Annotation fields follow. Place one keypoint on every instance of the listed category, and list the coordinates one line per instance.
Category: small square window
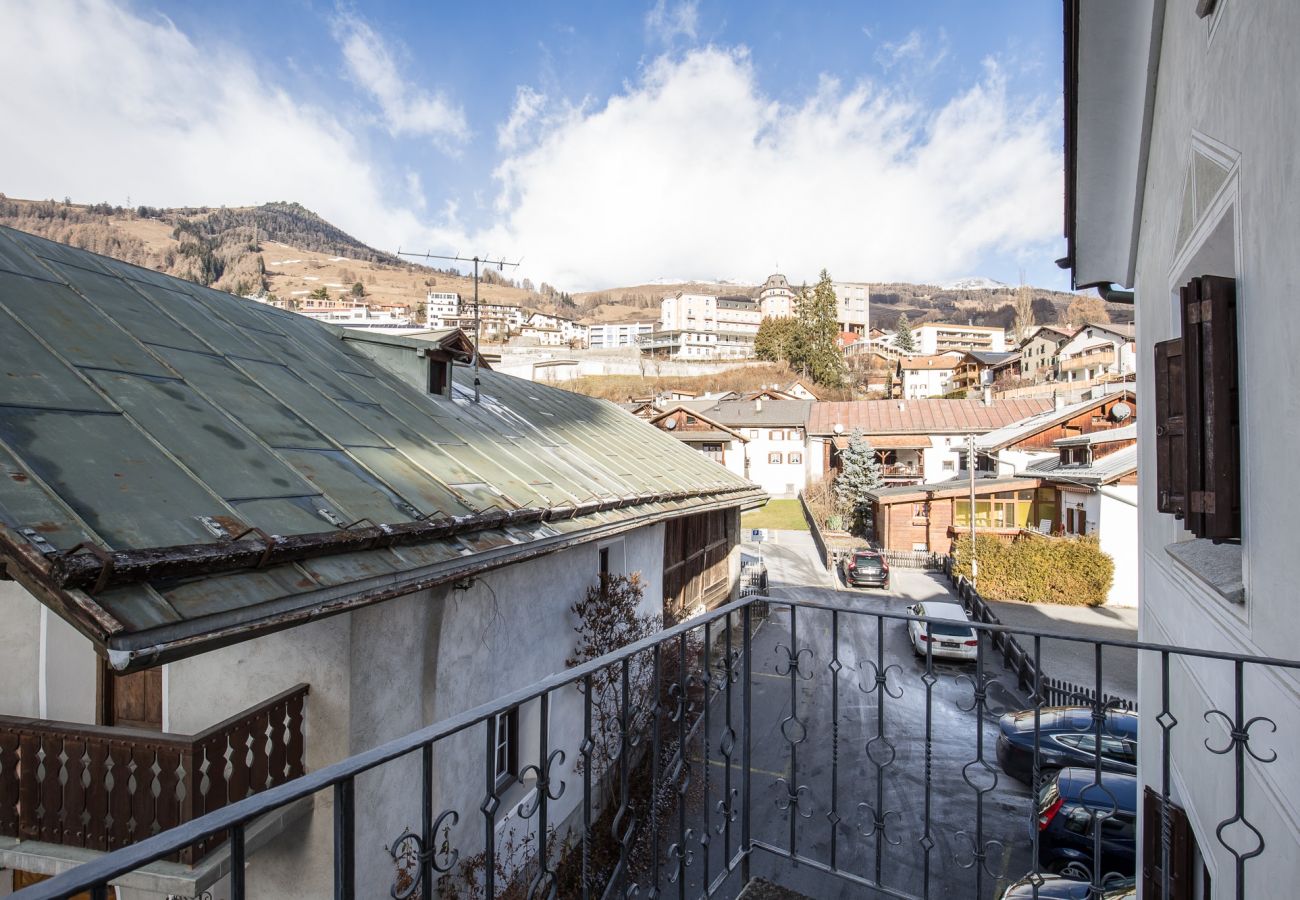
(774, 458)
(795, 459)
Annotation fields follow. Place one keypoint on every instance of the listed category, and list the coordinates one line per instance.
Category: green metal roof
(170, 430)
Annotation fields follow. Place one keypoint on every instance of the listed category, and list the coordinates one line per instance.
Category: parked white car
(952, 637)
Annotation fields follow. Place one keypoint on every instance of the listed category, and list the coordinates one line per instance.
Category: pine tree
(819, 345)
(859, 475)
(776, 339)
(903, 339)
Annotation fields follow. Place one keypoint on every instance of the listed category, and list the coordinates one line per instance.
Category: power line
(477, 261)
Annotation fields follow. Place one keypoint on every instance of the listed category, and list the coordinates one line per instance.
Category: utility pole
(970, 465)
(476, 260)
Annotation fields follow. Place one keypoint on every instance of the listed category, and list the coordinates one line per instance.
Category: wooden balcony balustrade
(106, 787)
(1088, 360)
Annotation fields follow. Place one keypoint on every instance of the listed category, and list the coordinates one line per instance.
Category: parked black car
(865, 568)
(1071, 807)
(1054, 887)
(1066, 738)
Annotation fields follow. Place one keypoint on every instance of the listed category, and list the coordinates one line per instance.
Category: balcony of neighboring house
(70, 792)
(832, 750)
(900, 466)
(1089, 359)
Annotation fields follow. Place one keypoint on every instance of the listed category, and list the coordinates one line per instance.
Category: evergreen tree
(903, 339)
(859, 475)
(776, 339)
(819, 347)
(358, 290)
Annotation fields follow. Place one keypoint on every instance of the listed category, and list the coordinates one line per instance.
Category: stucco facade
(1215, 195)
(375, 674)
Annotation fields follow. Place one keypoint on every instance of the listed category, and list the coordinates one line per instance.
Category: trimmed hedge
(1070, 571)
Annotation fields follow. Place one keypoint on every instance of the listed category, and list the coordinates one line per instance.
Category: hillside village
(328, 572)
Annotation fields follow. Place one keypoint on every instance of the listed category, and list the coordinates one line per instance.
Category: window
(776, 436)
(604, 562)
(712, 451)
(506, 745)
(794, 459)
(774, 458)
(690, 420)
(949, 465)
(1198, 458)
(439, 370)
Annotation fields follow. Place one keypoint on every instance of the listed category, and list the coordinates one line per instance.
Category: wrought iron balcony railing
(801, 742)
(107, 787)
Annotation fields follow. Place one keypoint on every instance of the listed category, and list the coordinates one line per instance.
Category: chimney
(758, 404)
(1058, 401)
(988, 395)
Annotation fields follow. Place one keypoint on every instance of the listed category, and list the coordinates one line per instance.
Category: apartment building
(853, 306)
(931, 338)
(613, 336)
(702, 326)
(928, 376)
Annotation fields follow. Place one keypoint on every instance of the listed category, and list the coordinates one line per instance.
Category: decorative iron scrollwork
(409, 849)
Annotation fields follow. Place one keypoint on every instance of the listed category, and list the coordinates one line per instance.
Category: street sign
(757, 535)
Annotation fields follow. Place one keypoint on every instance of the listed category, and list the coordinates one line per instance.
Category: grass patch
(782, 514)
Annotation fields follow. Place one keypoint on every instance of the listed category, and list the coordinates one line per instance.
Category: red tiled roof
(921, 416)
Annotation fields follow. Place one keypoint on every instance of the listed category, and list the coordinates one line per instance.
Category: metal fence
(913, 559)
(814, 747)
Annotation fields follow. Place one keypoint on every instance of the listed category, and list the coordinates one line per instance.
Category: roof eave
(1112, 54)
(133, 651)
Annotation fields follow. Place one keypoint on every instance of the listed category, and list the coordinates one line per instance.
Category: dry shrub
(1068, 570)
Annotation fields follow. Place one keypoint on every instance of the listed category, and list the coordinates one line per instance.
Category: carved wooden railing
(104, 788)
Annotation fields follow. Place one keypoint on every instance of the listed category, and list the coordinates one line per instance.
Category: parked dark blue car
(1056, 888)
(1066, 738)
(1071, 809)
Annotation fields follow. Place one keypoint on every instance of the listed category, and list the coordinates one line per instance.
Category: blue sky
(605, 143)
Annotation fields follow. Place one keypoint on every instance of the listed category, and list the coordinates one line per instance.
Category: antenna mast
(477, 261)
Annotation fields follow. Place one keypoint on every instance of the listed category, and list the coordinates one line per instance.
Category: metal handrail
(340, 776)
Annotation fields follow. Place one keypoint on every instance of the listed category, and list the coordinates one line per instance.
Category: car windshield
(950, 629)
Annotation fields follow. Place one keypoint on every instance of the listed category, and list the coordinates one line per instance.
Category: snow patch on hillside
(974, 283)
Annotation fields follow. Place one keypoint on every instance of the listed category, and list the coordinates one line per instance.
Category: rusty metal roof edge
(97, 571)
(171, 642)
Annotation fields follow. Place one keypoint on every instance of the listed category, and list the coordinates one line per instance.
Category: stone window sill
(1217, 566)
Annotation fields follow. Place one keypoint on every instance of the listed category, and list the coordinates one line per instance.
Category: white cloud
(407, 110)
(694, 170)
(529, 105)
(914, 53)
(666, 22)
(134, 108)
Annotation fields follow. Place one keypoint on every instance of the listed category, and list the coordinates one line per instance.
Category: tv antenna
(477, 261)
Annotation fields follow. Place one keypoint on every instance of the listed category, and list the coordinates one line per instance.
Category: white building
(314, 448)
(613, 336)
(931, 338)
(775, 434)
(775, 298)
(1181, 183)
(928, 376)
(701, 326)
(1097, 349)
(439, 305)
(853, 306)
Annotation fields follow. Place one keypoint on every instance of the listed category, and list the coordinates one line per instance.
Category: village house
(696, 430)
(1011, 449)
(776, 439)
(1038, 352)
(1180, 183)
(1097, 350)
(979, 369)
(1088, 486)
(915, 440)
(239, 545)
(920, 377)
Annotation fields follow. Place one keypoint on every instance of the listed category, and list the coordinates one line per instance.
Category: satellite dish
(838, 428)
(1121, 411)
(670, 424)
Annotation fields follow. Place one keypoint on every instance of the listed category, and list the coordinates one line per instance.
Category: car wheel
(1072, 868)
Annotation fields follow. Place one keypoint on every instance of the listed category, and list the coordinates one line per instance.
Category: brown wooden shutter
(1171, 439)
(1213, 488)
(1180, 850)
